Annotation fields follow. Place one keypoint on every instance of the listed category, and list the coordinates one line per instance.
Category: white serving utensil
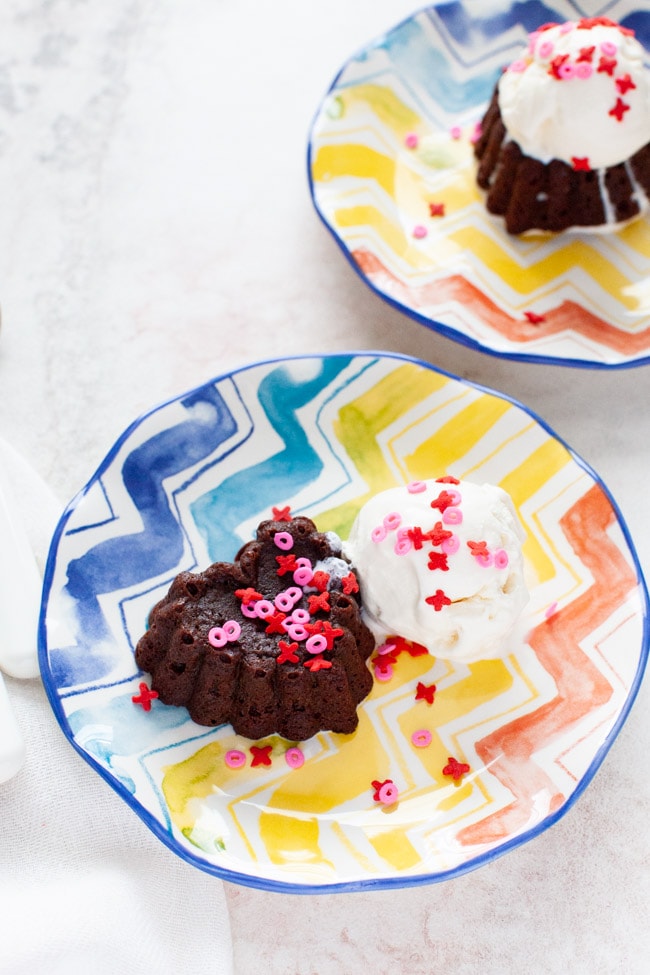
(12, 746)
(20, 589)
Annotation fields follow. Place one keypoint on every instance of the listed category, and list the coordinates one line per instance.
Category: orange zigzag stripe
(566, 316)
(580, 686)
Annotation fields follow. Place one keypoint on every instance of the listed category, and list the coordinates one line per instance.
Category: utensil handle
(12, 746)
(20, 592)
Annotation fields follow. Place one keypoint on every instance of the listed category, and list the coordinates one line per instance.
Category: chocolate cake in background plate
(565, 141)
(272, 643)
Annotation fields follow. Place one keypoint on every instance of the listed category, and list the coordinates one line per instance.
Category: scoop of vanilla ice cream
(440, 563)
(580, 91)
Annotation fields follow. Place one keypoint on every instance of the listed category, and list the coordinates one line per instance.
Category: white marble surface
(156, 229)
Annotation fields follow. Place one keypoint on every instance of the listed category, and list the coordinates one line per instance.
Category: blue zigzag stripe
(219, 512)
(117, 563)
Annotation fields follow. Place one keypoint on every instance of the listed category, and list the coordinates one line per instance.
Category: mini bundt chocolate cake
(272, 643)
(565, 140)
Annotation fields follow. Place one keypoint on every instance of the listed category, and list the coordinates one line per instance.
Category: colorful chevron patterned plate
(187, 484)
(391, 172)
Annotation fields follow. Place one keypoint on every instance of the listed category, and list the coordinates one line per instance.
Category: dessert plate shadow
(392, 176)
(187, 484)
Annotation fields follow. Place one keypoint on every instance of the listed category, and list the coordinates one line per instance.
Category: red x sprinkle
(261, 754)
(444, 500)
(317, 663)
(478, 549)
(248, 595)
(438, 560)
(606, 66)
(287, 653)
(447, 479)
(320, 580)
(619, 110)
(586, 53)
(417, 536)
(384, 663)
(349, 583)
(287, 563)
(455, 768)
(282, 514)
(424, 692)
(145, 697)
(274, 623)
(580, 164)
(556, 64)
(436, 209)
(534, 318)
(326, 629)
(625, 84)
(438, 600)
(320, 602)
(438, 534)
(414, 649)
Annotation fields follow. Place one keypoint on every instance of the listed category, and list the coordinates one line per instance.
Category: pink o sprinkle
(264, 608)
(411, 141)
(283, 540)
(234, 758)
(216, 637)
(388, 793)
(608, 48)
(296, 631)
(316, 643)
(421, 738)
(451, 545)
(248, 610)
(378, 534)
(476, 133)
(566, 27)
(416, 487)
(566, 71)
(294, 757)
(300, 616)
(551, 610)
(383, 671)
(518, 66)
(545, 49)
(283, 602)
(485, 560)
(385, 648)
(392, 521)
(455, 132)
(452, 516)
(419, 231)
(501, 558)
(232, 629)
(303, 563)
(403, 546)
(584, 70)
(303, 576)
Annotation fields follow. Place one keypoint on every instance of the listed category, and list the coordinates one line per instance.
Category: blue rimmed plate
(188, 482)
(393, 138)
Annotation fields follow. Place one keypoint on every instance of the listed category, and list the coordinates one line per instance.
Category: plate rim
(358, 884)
(447, 331)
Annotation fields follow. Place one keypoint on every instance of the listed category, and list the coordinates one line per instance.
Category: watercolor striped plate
(576, 299)
(187, 484)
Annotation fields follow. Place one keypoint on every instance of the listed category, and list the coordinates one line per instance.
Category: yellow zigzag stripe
(548, 269)
(359, 424)
(388, 108)
(362, 162)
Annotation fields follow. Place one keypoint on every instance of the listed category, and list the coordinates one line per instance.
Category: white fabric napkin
(85, 887)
